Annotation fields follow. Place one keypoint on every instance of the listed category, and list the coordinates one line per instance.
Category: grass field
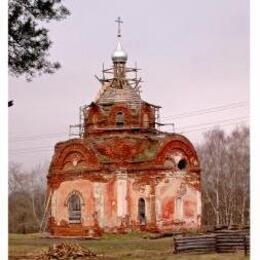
(129, 246)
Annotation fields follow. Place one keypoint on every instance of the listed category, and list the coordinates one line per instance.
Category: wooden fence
(230, 240)
(247, 245)
(223, 241)
(197, 243)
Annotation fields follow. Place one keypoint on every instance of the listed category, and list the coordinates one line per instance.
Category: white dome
(119, 55)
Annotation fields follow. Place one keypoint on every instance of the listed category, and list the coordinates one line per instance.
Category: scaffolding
(111, 79)
(79, 132)
(166, 124)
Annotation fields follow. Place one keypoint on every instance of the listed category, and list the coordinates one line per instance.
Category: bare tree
(225, 177)
(26, 198)
(239, 159)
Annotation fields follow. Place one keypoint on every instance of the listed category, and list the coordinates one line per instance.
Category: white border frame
(4, 129)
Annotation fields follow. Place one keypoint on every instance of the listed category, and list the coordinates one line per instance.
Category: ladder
(46, 213)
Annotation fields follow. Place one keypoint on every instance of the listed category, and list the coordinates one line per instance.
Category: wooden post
(174, 245)
(246, 245)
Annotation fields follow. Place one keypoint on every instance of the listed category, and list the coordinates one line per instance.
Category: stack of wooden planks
(66, 251)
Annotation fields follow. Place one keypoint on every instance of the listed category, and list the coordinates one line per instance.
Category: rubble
(65, 251)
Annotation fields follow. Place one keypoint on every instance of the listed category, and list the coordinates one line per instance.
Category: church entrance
(74, 209)
(141, 211)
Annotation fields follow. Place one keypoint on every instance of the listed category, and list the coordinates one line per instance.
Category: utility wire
(36, 137)
(34, 147)
(32, 151)
(177, 116)
(213, 123)
(193, 128)
(207, 128)
(207, 110)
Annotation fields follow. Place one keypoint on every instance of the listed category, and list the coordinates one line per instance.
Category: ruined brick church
(122, 173)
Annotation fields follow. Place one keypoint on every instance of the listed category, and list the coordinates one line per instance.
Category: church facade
(122, 174)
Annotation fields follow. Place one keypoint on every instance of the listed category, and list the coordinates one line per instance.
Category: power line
(32, 151)
(207, 110)
(36, 137)
(192, 129)
(34, 147)
(177, 116)
(215, 122)
(206, 128)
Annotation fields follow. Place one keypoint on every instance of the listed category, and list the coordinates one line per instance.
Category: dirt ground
(129, 246)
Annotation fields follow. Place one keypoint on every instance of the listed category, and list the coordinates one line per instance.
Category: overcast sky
(194, 55)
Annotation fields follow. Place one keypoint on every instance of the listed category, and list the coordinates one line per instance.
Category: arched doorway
(141, 211)
(74, 209)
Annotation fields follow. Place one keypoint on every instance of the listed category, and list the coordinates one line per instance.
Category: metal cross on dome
(118, 21)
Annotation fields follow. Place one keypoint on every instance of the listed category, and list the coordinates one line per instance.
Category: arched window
(141, 211)
(145, 121)
(95, 120)
(74, 209)
(179, 208)
(120, 120)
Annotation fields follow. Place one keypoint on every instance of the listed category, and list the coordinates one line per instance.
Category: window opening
(141, 211)
(74, 209)
(146, 121)
(182, 164)
(179, 208)
(120, 120)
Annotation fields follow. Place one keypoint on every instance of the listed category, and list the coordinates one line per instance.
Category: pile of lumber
(66, 251)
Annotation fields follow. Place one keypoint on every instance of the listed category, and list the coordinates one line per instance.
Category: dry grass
(130, 246)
